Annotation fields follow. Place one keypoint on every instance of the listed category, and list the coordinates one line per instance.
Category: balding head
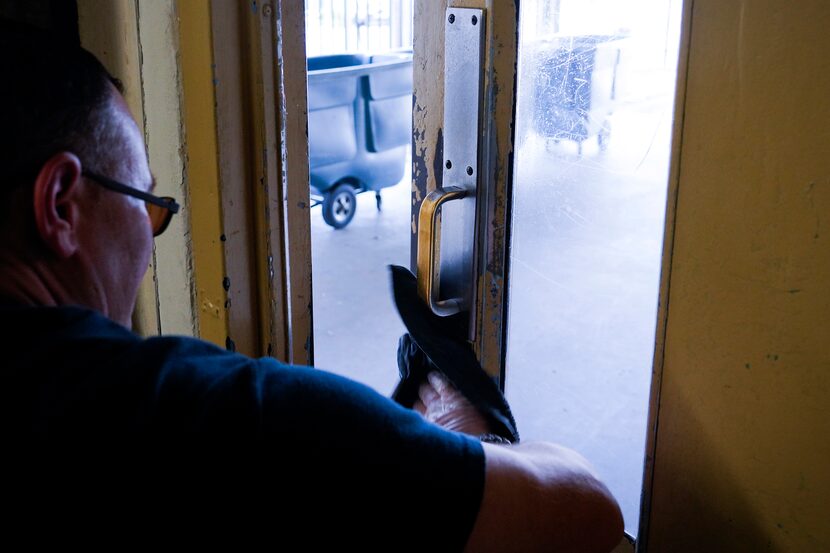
(64, 239)
(54, 98)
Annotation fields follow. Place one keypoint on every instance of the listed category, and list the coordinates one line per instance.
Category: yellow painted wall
(138, 43)
(201, 151)
(164, 131)
(742, 458)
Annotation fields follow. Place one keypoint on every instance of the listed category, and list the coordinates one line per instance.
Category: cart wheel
(339, 206)
(604, 135)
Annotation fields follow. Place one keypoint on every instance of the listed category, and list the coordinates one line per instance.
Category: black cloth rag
(440, 344)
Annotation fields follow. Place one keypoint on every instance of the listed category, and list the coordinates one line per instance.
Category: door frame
(494, 188)
(244, 91)
(493, 235)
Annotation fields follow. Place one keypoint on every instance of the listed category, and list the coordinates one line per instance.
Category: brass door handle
(427, 261)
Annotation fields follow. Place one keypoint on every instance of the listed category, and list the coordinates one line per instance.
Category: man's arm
(537, 496)
(543, 497)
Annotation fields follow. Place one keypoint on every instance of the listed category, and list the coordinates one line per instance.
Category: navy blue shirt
(116, 439)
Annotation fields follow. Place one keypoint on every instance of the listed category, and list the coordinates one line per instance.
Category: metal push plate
(463, 51)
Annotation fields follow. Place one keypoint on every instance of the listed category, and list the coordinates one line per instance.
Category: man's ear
(56, 207)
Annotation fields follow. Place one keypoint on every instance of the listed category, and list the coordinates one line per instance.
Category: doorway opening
(360, 101)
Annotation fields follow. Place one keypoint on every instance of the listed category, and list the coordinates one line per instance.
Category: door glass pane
(595, 106)
(359, 123)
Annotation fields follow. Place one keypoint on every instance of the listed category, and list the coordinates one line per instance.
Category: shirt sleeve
(392, 478)
(174, 441)
(330, 461)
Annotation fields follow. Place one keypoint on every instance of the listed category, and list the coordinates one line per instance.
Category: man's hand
(440, 402)
(439, 344)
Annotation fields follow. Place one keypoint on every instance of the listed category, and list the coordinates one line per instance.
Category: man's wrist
(494, 439)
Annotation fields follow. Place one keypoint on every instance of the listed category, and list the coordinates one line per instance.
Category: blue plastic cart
(359, 128)
(575, 87)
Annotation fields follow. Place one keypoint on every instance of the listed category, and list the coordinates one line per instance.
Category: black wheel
(604, 135)
(339, 206)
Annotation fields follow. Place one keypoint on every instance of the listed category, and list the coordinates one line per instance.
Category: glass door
(594, 113)
(575, 138)
(571, 174)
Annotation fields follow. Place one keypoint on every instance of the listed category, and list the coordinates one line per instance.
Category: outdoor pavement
(356, 326)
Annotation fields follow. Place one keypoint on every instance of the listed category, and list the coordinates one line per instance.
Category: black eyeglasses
(160, 209)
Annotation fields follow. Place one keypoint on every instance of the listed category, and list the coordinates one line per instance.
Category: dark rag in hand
(440, 344)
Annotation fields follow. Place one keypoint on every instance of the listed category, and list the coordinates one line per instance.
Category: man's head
(65, 239)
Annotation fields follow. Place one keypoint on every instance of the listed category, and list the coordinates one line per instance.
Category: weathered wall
(138, 43)
(164, 132)
(201, 152)
(742, 459)
(496, 152)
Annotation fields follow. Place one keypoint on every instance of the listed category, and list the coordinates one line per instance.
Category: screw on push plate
(448, 164)
(475, 20)
(451, 18)
(469, 170)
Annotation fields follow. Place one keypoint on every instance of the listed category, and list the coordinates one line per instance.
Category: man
(116, 439)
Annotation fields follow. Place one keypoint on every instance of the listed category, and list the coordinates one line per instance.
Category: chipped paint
(496, 158)
(211, 308)
(423, 153)
(438, 159)
(110, 31)
(499, 105)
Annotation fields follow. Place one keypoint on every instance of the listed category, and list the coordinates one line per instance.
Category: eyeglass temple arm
(169, 203)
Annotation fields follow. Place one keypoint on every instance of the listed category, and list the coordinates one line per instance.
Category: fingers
(419, 407)
(440, 384)
(428, 394)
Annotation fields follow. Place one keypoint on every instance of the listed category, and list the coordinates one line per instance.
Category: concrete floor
(584, 274)
(356, 326)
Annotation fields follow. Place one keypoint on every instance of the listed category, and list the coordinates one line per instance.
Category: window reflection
(595, 105)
